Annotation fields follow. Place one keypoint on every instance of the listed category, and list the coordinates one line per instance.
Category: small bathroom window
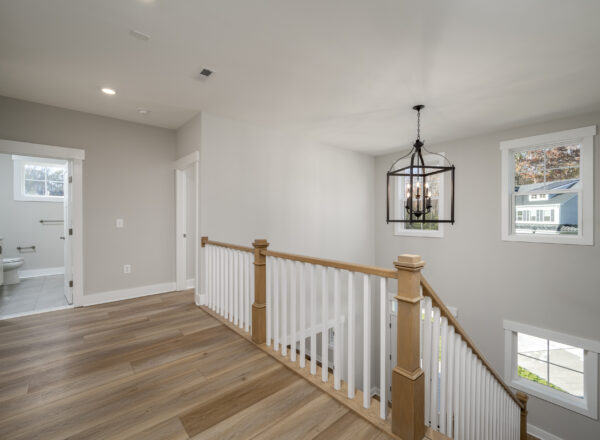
(39, 180)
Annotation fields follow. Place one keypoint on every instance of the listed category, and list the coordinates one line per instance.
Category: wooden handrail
(369, 270)
(437, 302)
(229, 245)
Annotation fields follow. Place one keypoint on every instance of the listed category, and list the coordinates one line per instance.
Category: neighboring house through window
(547, 187)
(39, 179)
(436, 186)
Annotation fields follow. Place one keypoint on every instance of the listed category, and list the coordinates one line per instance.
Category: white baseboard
(120, 295)
(201, 300)
(190, 284)
(540, 433)
(43, 272)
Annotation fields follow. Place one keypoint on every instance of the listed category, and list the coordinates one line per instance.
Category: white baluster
(435, 367)
(249, 299)
(251, 266)
(478, 403)
(454, 396)
(351, 336)
(222, 280)
(472, 402)
(462, 425)
(366, 343)
(241, 284)
(302, 274)
(337, 355)
(427, 324)
(236, 293)
(276, 295)
(313, 319)
(383, 355)
(293, 310)
(325, 328)
(444, 374)
(269, 300)
(284, 309)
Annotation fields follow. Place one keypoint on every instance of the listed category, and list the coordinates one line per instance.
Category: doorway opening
(41, 259)
(187, 238)
(34, 231)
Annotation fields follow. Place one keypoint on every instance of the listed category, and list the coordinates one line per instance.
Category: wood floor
(154, 368)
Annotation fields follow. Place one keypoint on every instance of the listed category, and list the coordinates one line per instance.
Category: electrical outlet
(120, 223)
(127, 268)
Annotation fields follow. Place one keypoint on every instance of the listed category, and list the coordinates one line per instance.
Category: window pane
(532, 369)
(566, 380)
(35, 188)
(55, 189)
(566, 356)
(56, 174)
(532, 346)
(555, 214)
(35, 172)
(529, 167)
(564, 156)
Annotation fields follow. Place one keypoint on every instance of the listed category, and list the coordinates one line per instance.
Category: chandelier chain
(419, 125)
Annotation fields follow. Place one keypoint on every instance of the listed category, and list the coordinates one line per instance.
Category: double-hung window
(38, 179)
(436, 186)
(548, 187)
(559, 368)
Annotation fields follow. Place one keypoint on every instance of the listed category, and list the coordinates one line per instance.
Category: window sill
(57, 199)
(552, 239)
(559, 398)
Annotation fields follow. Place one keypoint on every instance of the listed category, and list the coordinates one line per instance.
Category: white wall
(546, 285)
(127, 173)
(20, 225)
(304, 197)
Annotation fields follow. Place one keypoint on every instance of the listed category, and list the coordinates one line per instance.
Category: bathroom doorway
(187, 223)
(40, 228)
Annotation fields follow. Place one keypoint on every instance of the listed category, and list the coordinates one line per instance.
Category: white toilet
(11, 269)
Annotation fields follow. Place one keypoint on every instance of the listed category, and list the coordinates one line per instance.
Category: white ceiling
(345, 72)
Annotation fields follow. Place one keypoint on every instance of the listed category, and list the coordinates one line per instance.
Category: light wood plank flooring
(154, 368)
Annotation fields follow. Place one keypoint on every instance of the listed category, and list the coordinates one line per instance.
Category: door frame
(76, 156)
(191, 160)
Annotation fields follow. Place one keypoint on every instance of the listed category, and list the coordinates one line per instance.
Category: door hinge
(71, 283)
(390, 324)
(70, 231)
(390, 357)
(70, 179)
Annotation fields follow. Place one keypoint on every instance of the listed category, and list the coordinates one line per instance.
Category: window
(436, 186)
(547, 187)
(37, 179)
(559, 368)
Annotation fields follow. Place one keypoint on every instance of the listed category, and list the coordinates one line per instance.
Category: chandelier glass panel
(413, 191)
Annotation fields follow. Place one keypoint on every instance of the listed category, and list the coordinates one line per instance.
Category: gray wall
(127, 173)
(546, 285)
(304, 197)
(20, 225)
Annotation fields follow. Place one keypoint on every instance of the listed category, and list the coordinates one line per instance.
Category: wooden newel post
(259, 307)
(523, 398)
(408, 381)
(203, 241)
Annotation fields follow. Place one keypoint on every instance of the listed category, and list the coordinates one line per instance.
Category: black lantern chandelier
(418, 206)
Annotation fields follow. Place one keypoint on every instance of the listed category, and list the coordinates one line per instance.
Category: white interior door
(67, 233)
(180, 226)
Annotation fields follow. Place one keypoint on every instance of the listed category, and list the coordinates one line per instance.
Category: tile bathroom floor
(32, 294)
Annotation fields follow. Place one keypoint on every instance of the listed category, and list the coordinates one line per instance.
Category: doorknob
(184, 235)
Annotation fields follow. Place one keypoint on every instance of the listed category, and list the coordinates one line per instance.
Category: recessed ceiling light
(108, 91)
(143, 111)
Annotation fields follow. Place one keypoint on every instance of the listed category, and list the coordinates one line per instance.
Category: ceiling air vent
(206, 73)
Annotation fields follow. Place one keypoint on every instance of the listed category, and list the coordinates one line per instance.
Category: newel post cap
(409, 262)
(203, 240)
(523, 398)
(260, 243)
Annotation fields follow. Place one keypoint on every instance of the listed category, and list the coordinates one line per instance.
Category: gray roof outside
(553, 199)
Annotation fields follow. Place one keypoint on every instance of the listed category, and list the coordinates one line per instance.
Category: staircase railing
(332, 319)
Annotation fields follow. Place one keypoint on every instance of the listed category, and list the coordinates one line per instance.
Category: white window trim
(584, 136)
(588, 406)
(19, 163)
(399, 227)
